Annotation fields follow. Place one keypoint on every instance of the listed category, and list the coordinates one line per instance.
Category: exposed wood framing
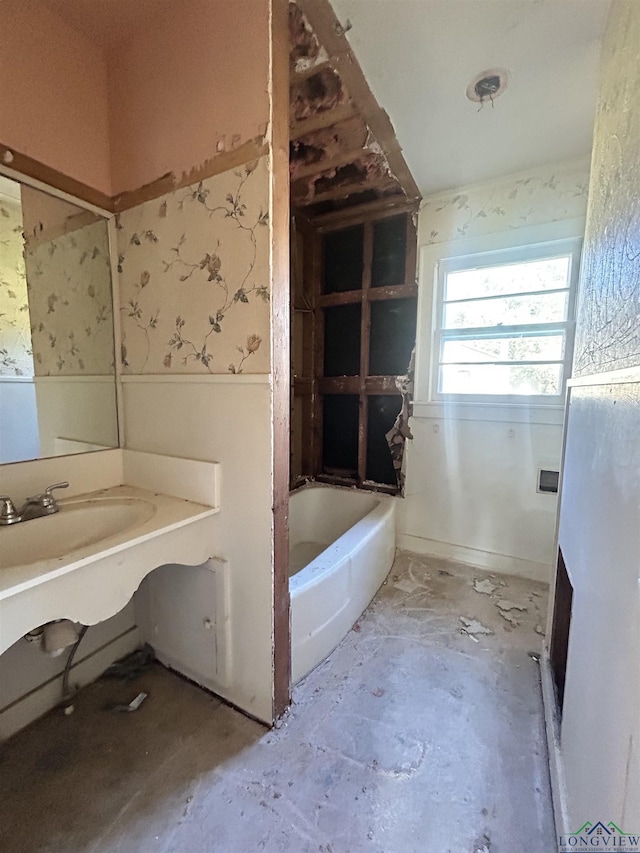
(322, 120)
(390, 205)
(328, 88)
(280, 354)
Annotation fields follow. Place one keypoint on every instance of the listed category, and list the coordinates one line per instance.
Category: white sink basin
(77, 525)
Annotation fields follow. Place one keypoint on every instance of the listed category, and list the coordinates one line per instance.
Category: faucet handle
(46, 498)
(8, 513)
(49, 489)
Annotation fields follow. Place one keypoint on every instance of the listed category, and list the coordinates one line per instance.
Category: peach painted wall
(53, 97)
(192, 75)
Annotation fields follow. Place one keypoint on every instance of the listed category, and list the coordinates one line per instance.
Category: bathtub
(342, 546)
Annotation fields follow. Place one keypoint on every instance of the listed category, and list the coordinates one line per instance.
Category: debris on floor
(509, 618)
(127, 709)
(540, 630)
(504, 605)
(486, 587)
(133, 665)
(458, 727)
(473, 627)
(407, 585)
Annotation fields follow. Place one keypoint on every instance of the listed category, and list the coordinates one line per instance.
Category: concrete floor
(411, 736)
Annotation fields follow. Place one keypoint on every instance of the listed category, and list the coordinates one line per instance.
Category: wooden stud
(389, 205)
(382, 184)
(305, 73)
(280, 351)
(319, 121)
(318, 353)
(345, 158)
(365, 334)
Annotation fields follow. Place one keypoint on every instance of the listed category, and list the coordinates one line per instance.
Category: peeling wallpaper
(194, 277)
(69, 284)
(608, 332)
(535, 197)
(15, 336)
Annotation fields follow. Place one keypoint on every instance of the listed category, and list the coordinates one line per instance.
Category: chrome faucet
(34, 507)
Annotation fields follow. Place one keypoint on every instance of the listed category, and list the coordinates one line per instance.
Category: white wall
(600, 501)
(601, 549)
(225, 419)
(471, 469)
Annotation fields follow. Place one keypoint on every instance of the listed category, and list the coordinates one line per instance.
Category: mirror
(57, 366)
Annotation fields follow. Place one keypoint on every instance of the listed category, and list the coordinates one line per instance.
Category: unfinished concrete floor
(411, 736)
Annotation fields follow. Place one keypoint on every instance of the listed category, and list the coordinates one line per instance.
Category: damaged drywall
(334, 152)
(400, 431)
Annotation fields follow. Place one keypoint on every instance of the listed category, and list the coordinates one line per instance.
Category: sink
(77, 525)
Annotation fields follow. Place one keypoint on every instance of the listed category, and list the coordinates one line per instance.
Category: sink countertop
(170, 514)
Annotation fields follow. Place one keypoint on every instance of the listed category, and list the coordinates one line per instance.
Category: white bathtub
(342, 545)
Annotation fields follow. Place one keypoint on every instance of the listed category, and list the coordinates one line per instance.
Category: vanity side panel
(230, 423)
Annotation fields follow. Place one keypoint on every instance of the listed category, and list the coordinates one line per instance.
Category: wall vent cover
(548, 481)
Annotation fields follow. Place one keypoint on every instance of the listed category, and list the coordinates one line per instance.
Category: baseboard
(41, 700)
(499, 563)
(552, 725)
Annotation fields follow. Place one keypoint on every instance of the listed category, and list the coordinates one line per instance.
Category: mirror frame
(110, 219)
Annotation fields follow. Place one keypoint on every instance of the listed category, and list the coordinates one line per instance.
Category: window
(506, 325)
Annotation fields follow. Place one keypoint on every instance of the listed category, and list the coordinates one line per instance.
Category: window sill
(500, 412)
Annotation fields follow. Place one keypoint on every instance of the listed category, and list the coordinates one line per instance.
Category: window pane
(500, 379)
(343, 260)
(549, 274)
(389, 251)
(525, 348)
(510, 311)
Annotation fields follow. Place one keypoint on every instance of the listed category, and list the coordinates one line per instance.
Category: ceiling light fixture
(487, 86)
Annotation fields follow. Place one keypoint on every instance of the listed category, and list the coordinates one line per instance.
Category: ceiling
(419, 56)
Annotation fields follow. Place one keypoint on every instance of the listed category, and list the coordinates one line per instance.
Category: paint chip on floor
(509, 618)
(485, 586)
(472, 626)
(407, 585)
(505, 605)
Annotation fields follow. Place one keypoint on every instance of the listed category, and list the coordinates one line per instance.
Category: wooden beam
(280, 355)
(389, 205)
(343, 159)
(322, 120)
(344, 191)
(329, 32)
(305, 73)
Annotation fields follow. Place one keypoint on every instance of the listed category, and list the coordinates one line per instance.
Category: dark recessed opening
(548, 481)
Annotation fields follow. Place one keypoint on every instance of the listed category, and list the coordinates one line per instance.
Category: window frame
(502, 257)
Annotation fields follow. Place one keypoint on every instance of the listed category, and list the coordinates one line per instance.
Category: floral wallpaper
(15, 335)
(531, 198)
(69, 285)
(194, 277)
(608, 328)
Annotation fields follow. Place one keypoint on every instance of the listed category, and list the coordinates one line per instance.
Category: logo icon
(598, 836)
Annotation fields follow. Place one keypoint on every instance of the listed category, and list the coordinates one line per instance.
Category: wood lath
(343, 146)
